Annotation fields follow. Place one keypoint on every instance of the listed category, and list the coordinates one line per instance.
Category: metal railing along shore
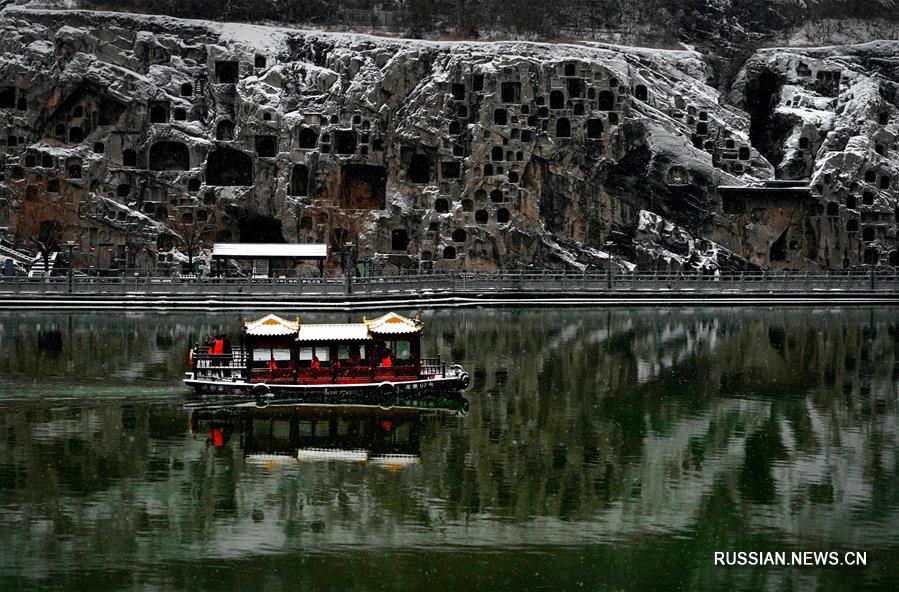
(157, 283)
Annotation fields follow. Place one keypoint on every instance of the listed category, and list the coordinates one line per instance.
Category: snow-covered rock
(446, 154)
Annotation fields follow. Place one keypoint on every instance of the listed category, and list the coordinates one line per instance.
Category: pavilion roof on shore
(270, 250)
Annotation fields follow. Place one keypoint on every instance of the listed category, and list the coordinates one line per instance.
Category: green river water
(598, 449)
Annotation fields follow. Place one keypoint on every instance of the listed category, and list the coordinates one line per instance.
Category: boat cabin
(385, 349)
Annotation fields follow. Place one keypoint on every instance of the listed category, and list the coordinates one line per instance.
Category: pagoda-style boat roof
(386, 325)
(393, 324)
(271, 326)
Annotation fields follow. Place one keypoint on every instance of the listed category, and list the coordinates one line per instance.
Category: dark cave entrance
(363, 187)
(169, 156)
(345, 142)
(767, 131)
(399, 239)
(779, 248)
(259, 228)
(227, 167)
(419, 169)
(308, 138)
(299, 180)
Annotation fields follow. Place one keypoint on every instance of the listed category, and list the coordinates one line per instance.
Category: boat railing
(220, 361)
(433, 367)
(333, 374)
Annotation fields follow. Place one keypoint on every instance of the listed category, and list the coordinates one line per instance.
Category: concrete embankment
(453, 290)
(437, 300)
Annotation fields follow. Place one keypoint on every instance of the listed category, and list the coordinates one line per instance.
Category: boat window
(281, 430)
(262, 357)
(305, 354)
(261, 427)
(402, 350)
(343, 352)
(306, 428)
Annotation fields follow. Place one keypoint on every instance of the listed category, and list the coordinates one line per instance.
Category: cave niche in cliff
(224, 131)
(227, 167)
(868, 233)
(254, 227)
(594, 129)
(419, 169)
(363, 187)
(871, 256)
(266, 146)
(577, 88)
(556, 100)
(169, 156)
(8, 98)
(345, 142)
(778, 250)
(299, 180)
(159, 111)
(399, 239)
(227, 72)
(510, 92)
(605, 101)
(308, 138)
(450, 169)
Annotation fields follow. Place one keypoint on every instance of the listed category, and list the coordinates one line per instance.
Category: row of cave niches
(581, 104)
(866, 218)
(728, 153)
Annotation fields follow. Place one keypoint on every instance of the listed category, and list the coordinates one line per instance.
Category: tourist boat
(377, 361)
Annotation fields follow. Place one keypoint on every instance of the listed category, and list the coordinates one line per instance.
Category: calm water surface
(601, 450)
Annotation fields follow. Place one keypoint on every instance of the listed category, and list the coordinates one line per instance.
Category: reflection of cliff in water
(584, 426)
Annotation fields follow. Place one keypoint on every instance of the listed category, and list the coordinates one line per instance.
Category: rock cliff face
(148, 138)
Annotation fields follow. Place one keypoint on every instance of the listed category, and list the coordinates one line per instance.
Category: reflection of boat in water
(279, 360)
(279, 435)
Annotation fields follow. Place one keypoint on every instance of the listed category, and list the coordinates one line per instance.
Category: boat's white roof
(389, 324)
(334, 332)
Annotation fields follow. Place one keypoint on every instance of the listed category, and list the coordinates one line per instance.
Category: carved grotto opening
(227, 167)
(299, 180)
(169, 156)
(363, 187)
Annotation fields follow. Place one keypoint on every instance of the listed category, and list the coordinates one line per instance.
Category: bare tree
(194, 229)
(41, 220)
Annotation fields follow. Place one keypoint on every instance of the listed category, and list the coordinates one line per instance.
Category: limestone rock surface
(152, 137)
